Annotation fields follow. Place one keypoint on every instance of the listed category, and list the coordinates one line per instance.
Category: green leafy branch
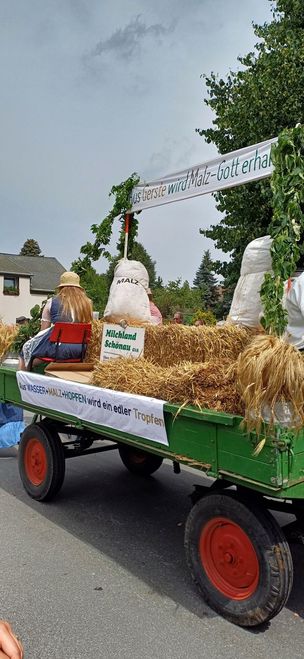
(287, 226)
(103, 231)
(30, 328)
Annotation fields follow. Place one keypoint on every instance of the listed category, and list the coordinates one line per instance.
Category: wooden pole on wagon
(128, 220)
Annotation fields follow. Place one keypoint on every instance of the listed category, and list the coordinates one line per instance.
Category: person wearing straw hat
(70, 305)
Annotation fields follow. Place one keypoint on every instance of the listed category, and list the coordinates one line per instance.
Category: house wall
(12, 306)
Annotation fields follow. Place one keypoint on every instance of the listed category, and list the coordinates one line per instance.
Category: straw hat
(69, 279)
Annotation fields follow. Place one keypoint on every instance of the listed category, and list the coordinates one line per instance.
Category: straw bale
(207, 385)
(169, 345)
(93, 349)
(269, 372)
(7, 336)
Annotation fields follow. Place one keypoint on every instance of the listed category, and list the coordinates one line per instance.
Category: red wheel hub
(229, 558)
(35, 461)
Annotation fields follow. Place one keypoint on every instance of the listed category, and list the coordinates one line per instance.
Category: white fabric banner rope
(135, 415)
(235, 168)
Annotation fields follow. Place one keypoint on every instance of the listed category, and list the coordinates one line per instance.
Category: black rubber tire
(271, 550)
(55, 461)
(139, 462)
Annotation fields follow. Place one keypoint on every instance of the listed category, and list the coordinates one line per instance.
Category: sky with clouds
(94, 90)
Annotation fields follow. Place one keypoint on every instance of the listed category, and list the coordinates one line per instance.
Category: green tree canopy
(30, 248)
(177, 296)
(96, 287)
(253, 104)
(205, 282)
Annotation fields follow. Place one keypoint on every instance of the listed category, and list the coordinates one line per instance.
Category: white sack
(256, 257)
(246, 307)
(128, 293)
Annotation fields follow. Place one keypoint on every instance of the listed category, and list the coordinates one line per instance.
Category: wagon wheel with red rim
(41, 461)
(139, 462)
(239, 558)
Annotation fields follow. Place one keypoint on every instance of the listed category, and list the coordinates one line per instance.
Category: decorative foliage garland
(287, 226)
(103, 231)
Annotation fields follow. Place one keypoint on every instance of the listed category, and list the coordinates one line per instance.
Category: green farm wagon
(236, 550)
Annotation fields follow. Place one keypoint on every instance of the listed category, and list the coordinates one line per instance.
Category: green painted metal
(210, 441)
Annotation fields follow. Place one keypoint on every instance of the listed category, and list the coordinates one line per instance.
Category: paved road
(100, 572)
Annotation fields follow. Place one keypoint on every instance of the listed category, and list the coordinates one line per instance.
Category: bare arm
(10, 647)
(45, 324)
(46, 317)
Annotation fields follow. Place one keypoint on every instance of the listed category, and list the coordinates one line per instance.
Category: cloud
(174, 154)
(125, 42)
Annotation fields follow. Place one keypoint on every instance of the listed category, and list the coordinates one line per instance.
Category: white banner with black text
(135, 415)
(235, 168)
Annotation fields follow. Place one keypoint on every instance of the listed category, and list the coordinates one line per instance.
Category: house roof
(44, 271)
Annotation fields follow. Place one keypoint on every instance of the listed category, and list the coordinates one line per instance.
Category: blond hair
(75, 303)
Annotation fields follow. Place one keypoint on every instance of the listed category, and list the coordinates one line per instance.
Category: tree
(103, 231)
(207, 317)
(206, 283)
(137, 253)
(159, 282)
(253, 104)
(30, 248)
(96, 287)
(177, 296)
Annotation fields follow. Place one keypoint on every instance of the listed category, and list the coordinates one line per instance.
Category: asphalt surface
(100, 572)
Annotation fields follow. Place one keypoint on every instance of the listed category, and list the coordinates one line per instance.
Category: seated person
(156, 316)
(70, 305)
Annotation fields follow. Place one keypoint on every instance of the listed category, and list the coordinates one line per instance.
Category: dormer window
(10, 285)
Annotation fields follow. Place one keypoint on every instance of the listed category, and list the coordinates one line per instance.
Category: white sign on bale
(118, 341)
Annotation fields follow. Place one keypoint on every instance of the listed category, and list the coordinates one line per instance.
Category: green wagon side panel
(9, 391)
(235, 455)
(193, 439)
(206, 440)
(295, 467)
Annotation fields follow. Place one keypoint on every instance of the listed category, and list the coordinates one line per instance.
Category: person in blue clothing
(70, 305)
(11, 425)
